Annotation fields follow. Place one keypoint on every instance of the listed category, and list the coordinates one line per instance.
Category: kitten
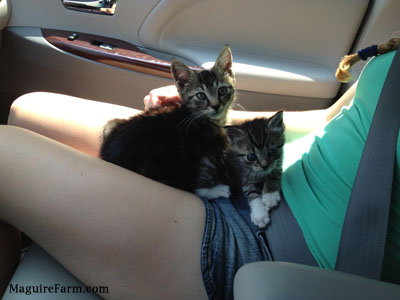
(257, 146)
(181, 145)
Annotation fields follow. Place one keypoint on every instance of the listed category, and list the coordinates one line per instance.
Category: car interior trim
(108, 51)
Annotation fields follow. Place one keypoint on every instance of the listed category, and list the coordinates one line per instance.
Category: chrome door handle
(93, 4)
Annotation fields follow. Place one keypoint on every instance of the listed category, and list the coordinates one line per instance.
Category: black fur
(154, 145)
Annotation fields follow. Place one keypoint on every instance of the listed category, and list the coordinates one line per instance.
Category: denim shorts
(230, 240)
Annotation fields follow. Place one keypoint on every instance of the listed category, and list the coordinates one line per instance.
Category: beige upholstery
(277, 280)
(266, 60)
(38, 268)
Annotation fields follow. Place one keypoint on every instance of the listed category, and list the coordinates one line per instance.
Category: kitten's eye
(222, 91)
(251, 157)
(201, 96)
(272, 152)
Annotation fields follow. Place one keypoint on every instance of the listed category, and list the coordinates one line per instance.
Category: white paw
(271, 199)
(220, 190)
(259, 213)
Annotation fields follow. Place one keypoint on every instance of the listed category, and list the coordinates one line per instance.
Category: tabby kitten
(257, 146)
(181, 145)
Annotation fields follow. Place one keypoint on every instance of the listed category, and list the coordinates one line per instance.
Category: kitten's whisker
(241, 95)
(181, 123)
(199, 115)
(187, 120)
(237, 105)
(197, 119)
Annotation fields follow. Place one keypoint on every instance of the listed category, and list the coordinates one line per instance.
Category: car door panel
(45, 67)
(108, 51)
(285, 51)
(123, 25)
(276, 49)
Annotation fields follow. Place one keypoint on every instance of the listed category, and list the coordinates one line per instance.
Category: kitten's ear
(233, 133)
(223, 64)
(181, 73)
(276, 122)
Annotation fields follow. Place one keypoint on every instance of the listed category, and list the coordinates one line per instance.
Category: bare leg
(72, 121)
(107, 225)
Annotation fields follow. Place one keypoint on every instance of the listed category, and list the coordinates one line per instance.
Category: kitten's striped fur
(257, 146)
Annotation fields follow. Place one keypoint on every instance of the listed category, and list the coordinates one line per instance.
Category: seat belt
(285, 238)
(363, 239)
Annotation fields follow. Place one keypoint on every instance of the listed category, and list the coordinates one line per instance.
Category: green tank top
(320, 168)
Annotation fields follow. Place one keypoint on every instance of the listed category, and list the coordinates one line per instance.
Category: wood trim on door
(125, 55)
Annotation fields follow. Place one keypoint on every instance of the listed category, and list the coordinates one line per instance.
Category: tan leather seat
(39, 271)
(279, 280)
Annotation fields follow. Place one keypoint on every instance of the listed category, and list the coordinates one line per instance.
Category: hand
(161, 96)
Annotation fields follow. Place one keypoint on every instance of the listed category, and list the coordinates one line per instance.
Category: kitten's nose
(264, 164)
(216, 107)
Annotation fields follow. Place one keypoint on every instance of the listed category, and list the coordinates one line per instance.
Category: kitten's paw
(271, 199)
(220, 190)
(259, 213)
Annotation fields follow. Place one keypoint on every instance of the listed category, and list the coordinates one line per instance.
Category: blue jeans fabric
(230, 240)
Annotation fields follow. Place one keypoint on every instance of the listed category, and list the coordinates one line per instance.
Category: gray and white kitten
(257, 147)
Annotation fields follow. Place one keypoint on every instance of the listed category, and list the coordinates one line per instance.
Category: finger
(154, 100)
(146, 101)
